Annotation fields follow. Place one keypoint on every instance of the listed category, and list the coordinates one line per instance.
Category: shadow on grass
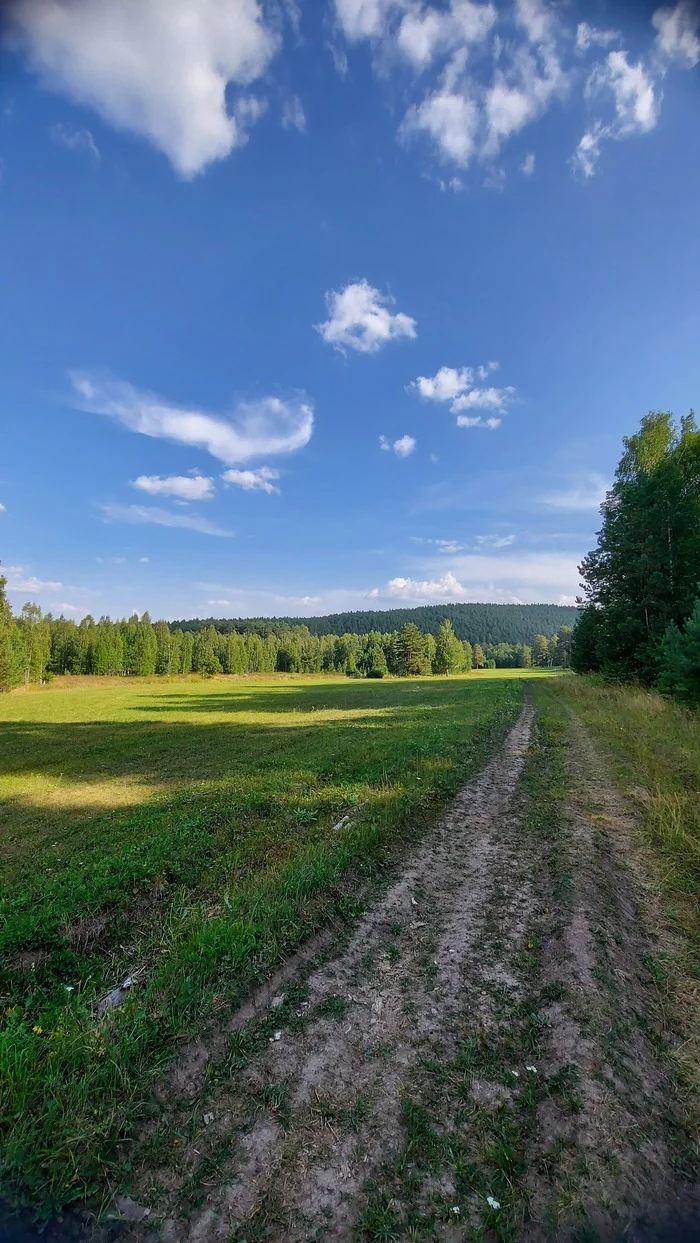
(346, 697)
(95, 750)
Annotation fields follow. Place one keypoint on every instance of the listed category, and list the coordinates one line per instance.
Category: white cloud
(110, 560)
(359, 319)
(484, 399)
(256, 429)
(587, 153)
(144, 560)
(451, 119)
(158, 68)
(74, 139)
(447, 587)
(677, 33)
(636, 104)
(589, 36)
(151, 515)
(456, 386)
(635, 99)
(445, 385)
(494, 541)
(253, 480)
(186, 487)
(444, 546)
(483, 74)
(364, 19)
(402, 447)
(67, 608)
(475, 420)
(3, 509)
(18, 580)
(293, 115)
(489, 577)
(523, 91)
(587, 494)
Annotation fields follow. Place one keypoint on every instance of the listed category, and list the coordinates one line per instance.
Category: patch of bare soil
(493, 932)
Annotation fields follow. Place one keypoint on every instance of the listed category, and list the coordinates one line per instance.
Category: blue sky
(336, 305)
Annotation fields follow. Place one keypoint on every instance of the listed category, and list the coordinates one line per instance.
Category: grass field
(653, 746)
(183, 831)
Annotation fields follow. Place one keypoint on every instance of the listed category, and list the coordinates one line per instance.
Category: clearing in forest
(480, 1045)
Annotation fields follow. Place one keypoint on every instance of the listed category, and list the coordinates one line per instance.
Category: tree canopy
(643, 578)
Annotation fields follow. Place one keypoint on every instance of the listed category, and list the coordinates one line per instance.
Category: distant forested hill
(479, 623)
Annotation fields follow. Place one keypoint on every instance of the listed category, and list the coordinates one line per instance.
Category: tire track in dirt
(401, 980)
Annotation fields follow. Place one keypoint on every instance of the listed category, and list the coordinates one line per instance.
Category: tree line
(641, 620)
(489, 624)
(35, 648)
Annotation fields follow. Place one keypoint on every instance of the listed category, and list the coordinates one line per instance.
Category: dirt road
(485, 1058)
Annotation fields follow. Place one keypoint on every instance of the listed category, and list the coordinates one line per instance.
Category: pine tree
(479, 659)
(679, 673)
(409, 652)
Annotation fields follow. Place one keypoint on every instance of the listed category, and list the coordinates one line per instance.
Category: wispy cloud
(68, 608)
(677, 33)
(185, 487)
(585, 494)
(590, 36)
(494, 541)
(19, 580)
(255, 429)
(634, 98)
(293, 115)
(74, 139)
(444, 546)
(488, 576)
(359, 319)
(403, 447)
(259, 480)
(151, 515)
(163, 69)
(483, 74)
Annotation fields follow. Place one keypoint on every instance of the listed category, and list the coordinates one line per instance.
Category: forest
(641, 620)
(35, 648)
(489, 624)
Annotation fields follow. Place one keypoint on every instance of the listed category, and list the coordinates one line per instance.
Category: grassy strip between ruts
(74, 1086)
(654, 747)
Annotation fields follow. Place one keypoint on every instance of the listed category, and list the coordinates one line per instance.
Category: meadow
(184, 832)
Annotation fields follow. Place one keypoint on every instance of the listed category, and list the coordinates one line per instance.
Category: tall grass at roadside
(654, 747)
(229, 860)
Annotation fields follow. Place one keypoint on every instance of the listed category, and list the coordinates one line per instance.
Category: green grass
(184, 830)
(654, 748)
